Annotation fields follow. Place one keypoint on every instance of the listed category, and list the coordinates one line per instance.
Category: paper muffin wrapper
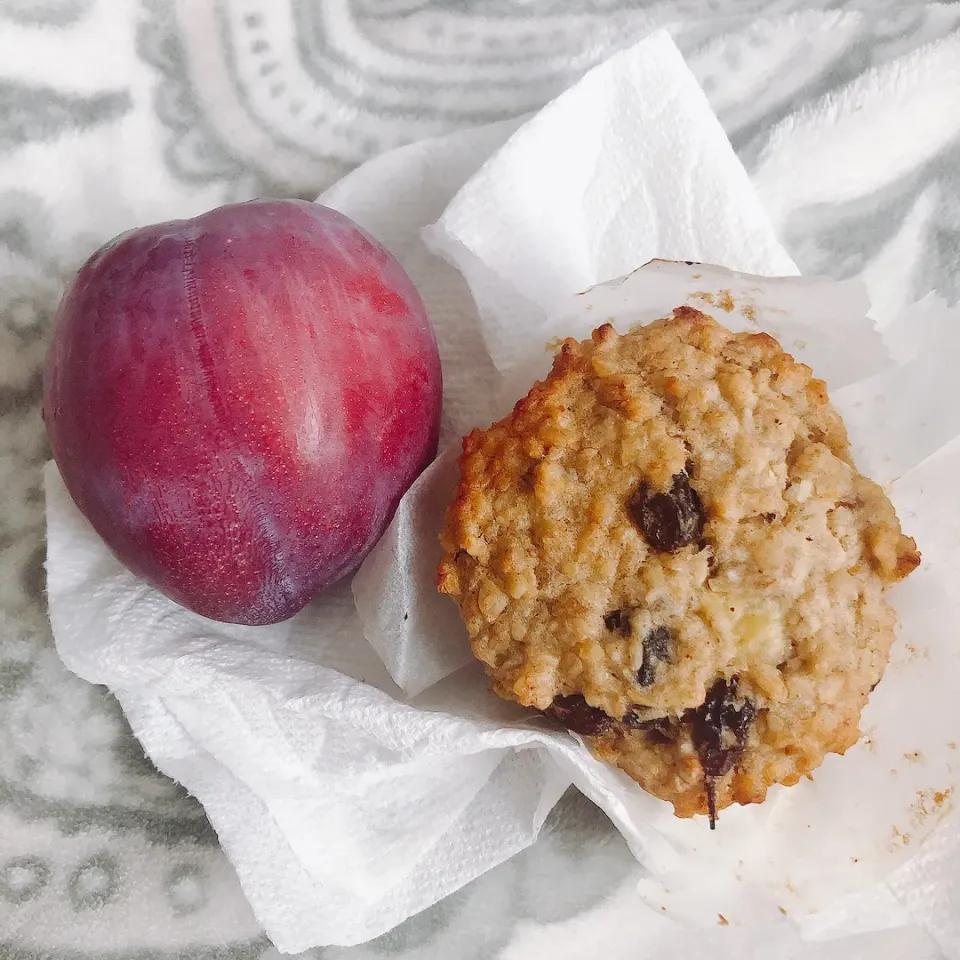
(863, 815)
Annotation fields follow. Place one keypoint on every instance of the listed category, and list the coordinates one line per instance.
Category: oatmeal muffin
(667, 548)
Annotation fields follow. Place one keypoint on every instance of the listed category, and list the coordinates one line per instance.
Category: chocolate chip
(769, 517)
(577, 715)
(720, 726)
(618, 621)
(657, 648)
(669, 520)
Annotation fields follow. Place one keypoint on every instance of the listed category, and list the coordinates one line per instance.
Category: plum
(237, 402)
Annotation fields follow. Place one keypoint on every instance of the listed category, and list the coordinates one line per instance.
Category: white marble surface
(118, 112)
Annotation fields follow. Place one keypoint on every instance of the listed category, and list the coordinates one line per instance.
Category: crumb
(664, 909)
(782, 910)
(952, 744)
(722, 300)
(790, 888)
(899, 839)
(723, 921)
(930, 803)
(914, 756)
(726, 301)
(406, 617)
(855, 859)
(800, 344)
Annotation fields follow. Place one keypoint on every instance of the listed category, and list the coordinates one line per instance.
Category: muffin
(667, 548)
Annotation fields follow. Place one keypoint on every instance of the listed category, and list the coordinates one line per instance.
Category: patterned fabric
(119, 112)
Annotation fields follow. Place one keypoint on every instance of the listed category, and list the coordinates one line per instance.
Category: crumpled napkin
(354, 783)
(628, 165)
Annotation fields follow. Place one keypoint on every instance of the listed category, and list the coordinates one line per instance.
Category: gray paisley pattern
(40, 113)
(847, 115)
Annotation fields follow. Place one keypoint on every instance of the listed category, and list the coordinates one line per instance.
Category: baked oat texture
(667, 547)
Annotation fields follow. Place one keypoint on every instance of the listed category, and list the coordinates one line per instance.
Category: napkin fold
(628, 165)
(353, 777)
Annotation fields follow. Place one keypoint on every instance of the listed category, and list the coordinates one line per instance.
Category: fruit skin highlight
(237, 402)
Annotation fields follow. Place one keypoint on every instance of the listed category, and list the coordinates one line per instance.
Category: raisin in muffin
(667, 547)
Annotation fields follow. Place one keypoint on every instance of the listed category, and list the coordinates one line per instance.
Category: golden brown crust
(778, 582)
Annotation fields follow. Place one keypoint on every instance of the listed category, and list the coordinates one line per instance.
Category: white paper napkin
(628, 165)
(345, 803)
